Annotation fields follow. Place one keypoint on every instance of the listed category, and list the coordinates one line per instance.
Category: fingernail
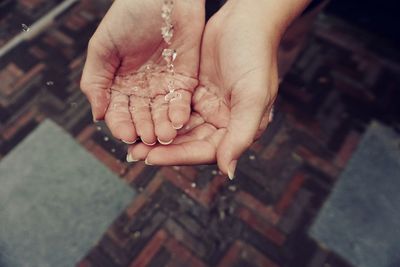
(231, 169)
(165, 143)
(147, 162)
(149, 144)
(128, 143)
(130, 159)
(177, 127)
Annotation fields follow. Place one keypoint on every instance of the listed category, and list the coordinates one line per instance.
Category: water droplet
(166, 11)
(168, 97)
(221, 215)
(232, 188)
(49, 83)
(193, 185)
(113, 150)
(171, 69)
(136, 234)
(148, 68)
(169, 3)
(167, 33)
(73, 104)
(271, 114)
(98, 128)
(169, 55)
(172, 96)
(214, 172)
(25, 27)
(252, 157)
(176, 168)
(177, 96)
(106, 138)
(165, 14)
(171, 87)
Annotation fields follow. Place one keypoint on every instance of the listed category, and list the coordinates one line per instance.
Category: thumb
(249, 100)
(243, 125)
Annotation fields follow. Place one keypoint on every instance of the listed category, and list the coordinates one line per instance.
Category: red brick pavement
(193, 216)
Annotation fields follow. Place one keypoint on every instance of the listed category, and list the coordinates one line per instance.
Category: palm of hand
(232, 103)
(125, 76)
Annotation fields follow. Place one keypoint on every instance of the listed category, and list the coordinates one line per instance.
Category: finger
(164, 130)
(194, 121)
(138, 152)
(179, 109)
(189, 153)
(118, 118)
(199, 133)
(141, 115)
(249, 99)
(97, 76)
(244, 122)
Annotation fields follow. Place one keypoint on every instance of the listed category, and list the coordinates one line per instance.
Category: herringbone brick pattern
(193, 216)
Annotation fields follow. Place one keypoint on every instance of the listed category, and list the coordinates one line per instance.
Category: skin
(237, 82)
(126, 41)
(238, 85)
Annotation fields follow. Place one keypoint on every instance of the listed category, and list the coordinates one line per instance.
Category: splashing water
(25, 27)
(137, 234)
(153, 78)
(167, 30)
(169, 54)
(232, 188)
(176, 168)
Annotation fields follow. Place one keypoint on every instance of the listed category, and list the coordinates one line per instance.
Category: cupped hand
(125, 77)
(232, 104)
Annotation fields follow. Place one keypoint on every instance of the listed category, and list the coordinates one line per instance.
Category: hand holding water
(232, 105)
(127, 78)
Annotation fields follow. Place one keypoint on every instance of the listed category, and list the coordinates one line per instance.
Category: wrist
(271, 16)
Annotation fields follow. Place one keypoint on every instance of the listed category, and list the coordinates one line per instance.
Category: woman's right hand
(128, 39)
